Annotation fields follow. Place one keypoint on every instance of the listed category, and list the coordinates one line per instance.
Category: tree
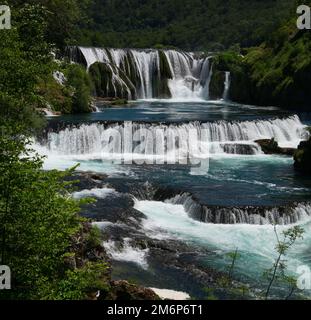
(63, 18)
(38, 219)
(277, 272)
(80, 81)
(24, 57)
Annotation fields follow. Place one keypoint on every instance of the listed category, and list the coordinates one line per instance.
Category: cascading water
(225, 95)
(150, 73)
(205, 78)
(243, 215)
(187, 73)
(212, 137)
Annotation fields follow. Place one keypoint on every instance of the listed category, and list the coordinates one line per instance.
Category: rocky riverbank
(130, 247)
(148, 260)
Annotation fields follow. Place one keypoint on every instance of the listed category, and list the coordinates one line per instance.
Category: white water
(256, 243)
(243, 215)
(127, 253)
(225, 95)
(86, 162)
(196, 140)
(60, 78)
(96, 109)
(48, 113)
(191, 75)
(100, 193)
(171, 294)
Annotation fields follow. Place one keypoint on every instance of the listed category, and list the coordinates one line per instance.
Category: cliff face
(276, 73)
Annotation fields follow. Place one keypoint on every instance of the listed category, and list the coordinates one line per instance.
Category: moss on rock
(107, 84)
(161, 77)
(217, 86)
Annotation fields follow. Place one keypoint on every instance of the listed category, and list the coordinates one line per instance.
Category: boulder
(302, 157)
(270, 146)
(123, 290)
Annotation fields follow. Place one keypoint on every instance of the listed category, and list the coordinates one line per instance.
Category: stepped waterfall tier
(146, 74)
(237, 137)
(173, 177)
(242, 215)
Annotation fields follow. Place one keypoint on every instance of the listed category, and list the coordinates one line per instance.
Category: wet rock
(92, 175)
(270, 146)
(302, 157)
(108, 102)
(123, 290)
(84, 249)
(87, 180)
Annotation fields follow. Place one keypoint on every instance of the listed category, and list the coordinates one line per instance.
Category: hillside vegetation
(277, 72)
(186, 24)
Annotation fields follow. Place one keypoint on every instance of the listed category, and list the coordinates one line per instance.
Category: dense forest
(185, 24)
(277, 72)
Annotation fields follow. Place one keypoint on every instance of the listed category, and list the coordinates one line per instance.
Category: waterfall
(185, 84)
(48, 112)
(283, 215)
(139, 73)
(225, 95)
(235, 137)
(96, 109)
(205, 78)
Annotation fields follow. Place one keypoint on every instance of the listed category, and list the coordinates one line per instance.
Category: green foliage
(234, 62)
(185, 24)
(280, 69)
(63, 18)
(55, 95)
(94, 238)
(26, 68)
(234, 256)
(80, 81)
(119, 102)
(73, 96)
(104, 84)
(76, 284)
(210, 294)
(24, 57)
(225, 283)
(278, 271)
(38, 217)
(277, 72)
(38, 220)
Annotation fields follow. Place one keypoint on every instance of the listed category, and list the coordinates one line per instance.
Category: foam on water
(256, 243)
(100, 193)
(127, 253)
(97, 141)
(86, 162)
